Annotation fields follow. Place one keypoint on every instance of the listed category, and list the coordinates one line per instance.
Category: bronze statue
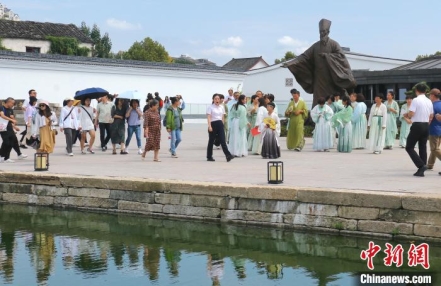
(322, 69)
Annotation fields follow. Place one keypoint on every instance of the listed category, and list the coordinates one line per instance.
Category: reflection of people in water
(274, 271)
(151, 259)
(7, 242)
(215, 267)
(42, 252)
(172, 257)
(118, 252)
(239, 266)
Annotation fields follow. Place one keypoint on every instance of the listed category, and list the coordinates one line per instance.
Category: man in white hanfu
(321, 114)
(377, 125)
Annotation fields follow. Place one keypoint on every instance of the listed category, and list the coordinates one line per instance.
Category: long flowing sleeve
(397, 108)
(402, 112)
(384, 113)
(328, 113)
(261, 114)
(356, 114)
(315, 114)
(305, 110)
(371, 114)
(278, 127)
(242, 113)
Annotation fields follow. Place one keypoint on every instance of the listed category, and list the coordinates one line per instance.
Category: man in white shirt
(421, 113)
(69, 124)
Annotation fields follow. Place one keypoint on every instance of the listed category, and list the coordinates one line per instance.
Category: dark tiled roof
(74, 60)
(244, 64)
(428, 63)
(39, 31)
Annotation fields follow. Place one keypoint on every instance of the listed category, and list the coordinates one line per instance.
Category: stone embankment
(348, 212)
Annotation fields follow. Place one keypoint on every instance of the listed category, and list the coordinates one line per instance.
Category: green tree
(422, 57)
(288, 56)
(413, 92)
(67, 46)
(101, 45)
(183, 61)
(148, 50)
(2, 48)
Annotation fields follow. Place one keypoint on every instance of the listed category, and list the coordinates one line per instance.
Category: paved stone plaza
(359, 170)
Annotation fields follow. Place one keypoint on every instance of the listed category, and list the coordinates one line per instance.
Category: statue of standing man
(323, 69)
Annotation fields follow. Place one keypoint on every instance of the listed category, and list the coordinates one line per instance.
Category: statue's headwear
(324, 24)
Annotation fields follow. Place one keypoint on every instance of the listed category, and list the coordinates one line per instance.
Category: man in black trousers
(421, 113)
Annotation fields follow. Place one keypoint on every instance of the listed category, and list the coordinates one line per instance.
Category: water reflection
(45, 246)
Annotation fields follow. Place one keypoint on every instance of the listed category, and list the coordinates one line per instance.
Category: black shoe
(210, 159)
(420, 172)
(439, 173)
(103, 149)
(229, 158)
(23, 146)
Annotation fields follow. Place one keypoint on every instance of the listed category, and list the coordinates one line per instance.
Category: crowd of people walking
(241, 126)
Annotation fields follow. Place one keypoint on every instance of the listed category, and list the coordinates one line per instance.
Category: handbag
(3, 124)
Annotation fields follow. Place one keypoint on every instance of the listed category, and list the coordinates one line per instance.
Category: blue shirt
(435, 125)
(133, 119)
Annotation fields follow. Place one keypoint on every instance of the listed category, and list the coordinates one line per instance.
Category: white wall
(19, 45)
(260, 64)
(56, 81)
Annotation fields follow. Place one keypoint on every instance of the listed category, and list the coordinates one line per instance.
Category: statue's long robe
(322, 70)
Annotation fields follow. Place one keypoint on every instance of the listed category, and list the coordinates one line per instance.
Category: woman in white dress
(237, 145)
(321, 114)
(359, 122)
(261, 114)
(405, 121)
(377, 125)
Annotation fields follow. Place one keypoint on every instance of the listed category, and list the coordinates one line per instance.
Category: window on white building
(33, 50)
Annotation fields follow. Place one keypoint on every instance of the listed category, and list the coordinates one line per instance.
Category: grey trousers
(69, 133)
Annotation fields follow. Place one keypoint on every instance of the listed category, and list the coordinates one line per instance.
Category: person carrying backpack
(174, 124)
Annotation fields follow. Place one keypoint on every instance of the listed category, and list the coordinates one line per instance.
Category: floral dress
(152, 120)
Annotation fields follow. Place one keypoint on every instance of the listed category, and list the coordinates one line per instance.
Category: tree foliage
(421, 57)
(183, 61)
(101, 45)
(3, 48)
(148, 50)
(288, 56)
(413, 92)
(67, 46)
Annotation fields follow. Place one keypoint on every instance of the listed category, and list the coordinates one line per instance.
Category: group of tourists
(78, 118)
(239, 125)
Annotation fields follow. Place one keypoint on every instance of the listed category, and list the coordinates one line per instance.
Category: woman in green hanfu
(342, 122)
(393, 111)
(297, 112)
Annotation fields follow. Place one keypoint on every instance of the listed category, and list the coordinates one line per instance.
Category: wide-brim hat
(69, 99)
(42, 101)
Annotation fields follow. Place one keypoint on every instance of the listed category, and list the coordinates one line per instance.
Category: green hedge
(67, 46)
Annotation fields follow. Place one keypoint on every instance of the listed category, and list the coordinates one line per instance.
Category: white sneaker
(70, 154)
(22, 156)
(140, 151)
(74, 145)
(127, 150)
(9, 161)
(118, 146)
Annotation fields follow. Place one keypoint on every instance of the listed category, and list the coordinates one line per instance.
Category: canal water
(45, 246)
